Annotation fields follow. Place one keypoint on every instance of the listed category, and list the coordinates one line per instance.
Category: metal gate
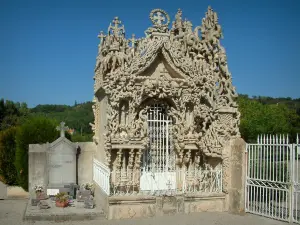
(272, 180)
(158, 168)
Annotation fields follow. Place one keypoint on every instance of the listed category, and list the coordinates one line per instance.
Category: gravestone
(72, 189)
(82, 195)
(61, 162)
(3, 191)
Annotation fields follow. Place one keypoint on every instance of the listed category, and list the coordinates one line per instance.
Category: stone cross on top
(159, 17)
(62, 128)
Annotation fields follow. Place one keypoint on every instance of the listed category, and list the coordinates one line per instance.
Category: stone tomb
(166, 120)
(59, 166)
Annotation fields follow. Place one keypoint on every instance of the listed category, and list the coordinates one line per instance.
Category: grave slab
(75, 212)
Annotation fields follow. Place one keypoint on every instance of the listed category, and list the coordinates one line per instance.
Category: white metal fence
(272, 180)
(101, 175)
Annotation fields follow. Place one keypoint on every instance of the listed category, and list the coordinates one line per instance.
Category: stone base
(125, 207)
(76, 212)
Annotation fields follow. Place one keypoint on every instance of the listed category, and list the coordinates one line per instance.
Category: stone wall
(85, 162)
(127, 207)
(37, 168)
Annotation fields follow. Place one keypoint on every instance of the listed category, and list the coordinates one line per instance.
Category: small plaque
(52, 192)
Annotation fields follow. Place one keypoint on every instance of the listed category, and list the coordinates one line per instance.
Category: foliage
(8, 170)
(81, 138)
(62, 197)
(11, 114)
(77, 117)
(38, 188)
(36, 130)
(258, 118)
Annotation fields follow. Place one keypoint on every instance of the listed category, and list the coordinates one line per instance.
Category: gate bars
(272, 179)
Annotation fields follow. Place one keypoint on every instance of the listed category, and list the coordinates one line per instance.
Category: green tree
(11, 114)
(258, 118)
(82, 138)
(7, 156)
(36, 130)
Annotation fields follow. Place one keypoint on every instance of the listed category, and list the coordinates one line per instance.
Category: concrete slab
(76, 212)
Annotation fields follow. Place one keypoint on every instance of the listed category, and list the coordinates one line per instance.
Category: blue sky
(48, 48)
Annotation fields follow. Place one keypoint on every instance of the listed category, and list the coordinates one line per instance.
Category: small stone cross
(159, 18)
(133, 40)
(101, 36)
(62, 128)
(116, 21)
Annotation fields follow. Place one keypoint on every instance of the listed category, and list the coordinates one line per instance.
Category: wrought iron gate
(158, 168)
(273, 178)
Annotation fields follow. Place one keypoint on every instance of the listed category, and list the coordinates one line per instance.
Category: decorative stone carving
(182, 67)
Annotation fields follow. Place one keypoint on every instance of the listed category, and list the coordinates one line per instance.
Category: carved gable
(160, 69)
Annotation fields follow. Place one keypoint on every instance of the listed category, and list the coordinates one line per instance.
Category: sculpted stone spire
(115, 29)
(195, 74)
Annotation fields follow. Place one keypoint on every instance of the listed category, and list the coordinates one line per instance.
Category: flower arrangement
(38, 188)
(88, 186)
(61, 199)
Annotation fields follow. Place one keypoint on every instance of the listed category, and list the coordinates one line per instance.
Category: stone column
(234, 175)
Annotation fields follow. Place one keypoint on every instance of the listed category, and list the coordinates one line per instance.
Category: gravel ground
(12, 211)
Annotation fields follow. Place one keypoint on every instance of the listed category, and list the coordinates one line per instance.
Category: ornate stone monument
(164, 107)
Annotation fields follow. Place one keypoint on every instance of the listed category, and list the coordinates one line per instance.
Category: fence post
(246, 176)
(291, 189)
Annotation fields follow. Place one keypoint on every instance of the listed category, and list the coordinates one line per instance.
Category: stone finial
(101, 36)
(116, 29)
(62, 128)
(159, 17)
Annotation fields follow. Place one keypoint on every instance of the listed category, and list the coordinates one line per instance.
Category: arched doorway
(158, 165)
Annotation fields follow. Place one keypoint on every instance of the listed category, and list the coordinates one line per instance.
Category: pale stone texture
(40, 163)
(85, 162)
(3, 191)
(234, 172)
(182, 71)
(62, 162)
(238, 176)
(12, 212)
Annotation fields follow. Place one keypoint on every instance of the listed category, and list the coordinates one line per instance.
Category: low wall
(126, 207)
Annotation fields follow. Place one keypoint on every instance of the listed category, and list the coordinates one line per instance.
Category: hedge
(8, 170)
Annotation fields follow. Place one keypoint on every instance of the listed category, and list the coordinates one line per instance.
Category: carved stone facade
(184, 70)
